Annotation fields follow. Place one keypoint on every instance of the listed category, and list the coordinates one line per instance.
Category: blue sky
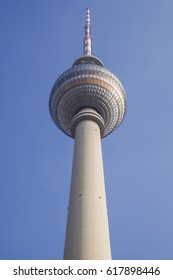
(41, 39)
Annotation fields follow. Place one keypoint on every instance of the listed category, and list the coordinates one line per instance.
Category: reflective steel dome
(87, 84)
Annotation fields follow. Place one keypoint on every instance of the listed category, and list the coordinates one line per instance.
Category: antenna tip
(88, 15)
(87, 39)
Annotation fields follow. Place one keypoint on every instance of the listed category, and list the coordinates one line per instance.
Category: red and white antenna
(87, 39)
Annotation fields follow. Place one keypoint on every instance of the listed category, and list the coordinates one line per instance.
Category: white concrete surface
(87, 233)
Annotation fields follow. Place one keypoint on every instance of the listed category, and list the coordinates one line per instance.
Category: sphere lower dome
(87, 84)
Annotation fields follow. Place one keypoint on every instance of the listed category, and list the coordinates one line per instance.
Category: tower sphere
(87, 84)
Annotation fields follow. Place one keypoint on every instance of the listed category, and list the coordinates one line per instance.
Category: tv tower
(87, 102)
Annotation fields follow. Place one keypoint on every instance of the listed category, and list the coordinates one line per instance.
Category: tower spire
(87, 39)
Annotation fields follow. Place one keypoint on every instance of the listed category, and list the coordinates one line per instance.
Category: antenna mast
(87, 39)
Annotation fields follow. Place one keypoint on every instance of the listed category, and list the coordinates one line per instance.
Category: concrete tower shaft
(87, 234)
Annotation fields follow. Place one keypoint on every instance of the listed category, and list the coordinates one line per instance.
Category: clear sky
(39, 40)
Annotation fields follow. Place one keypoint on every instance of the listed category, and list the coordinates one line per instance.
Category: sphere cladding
(87, 84)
